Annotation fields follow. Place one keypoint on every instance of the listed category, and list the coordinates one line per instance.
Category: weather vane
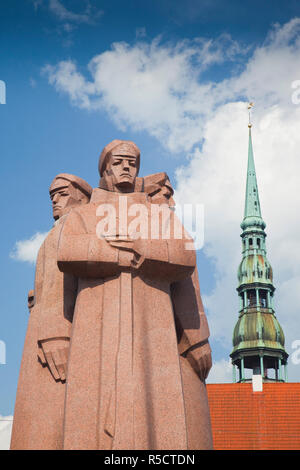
(250, 106)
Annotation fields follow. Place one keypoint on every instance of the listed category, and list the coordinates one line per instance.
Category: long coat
(39, 408)
(128, 386)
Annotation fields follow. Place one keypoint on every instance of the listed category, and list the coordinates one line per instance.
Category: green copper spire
(258, 339)
(252, 206)
(252, 212)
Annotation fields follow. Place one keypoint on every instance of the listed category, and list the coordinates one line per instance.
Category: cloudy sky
(176, 78)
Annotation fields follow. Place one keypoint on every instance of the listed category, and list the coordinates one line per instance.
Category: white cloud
(140, 32)
(63, 14)
(37, 3)
(32, 82)
(163, 89)
(27, 250)
(159, 90)
(221, 372)
(57, 8)
(164, 92)
(5, 431)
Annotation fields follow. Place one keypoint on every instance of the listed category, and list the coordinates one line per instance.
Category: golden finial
(250, 106)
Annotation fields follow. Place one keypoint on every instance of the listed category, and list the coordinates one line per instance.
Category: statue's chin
(125, 187)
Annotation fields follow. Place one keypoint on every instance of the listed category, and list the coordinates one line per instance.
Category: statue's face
(123, 171)
(164, 195)
(167, 190)
(63, 196)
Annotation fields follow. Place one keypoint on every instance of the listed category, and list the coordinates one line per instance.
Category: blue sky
(174, 77)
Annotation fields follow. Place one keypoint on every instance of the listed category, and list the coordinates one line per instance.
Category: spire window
(251, 298)
(263, 298)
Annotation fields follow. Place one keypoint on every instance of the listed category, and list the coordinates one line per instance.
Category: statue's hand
(135, 246)
(200, 359)
(55, 352)
(122, 243)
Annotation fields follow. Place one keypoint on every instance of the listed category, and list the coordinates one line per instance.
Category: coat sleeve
(56, 293)
(56, 312)
(190, 319)
(173, 256)
(81, 252)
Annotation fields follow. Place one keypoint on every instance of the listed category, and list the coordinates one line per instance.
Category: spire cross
(250, 106)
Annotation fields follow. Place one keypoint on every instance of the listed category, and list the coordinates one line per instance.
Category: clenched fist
(54, 352)
(200, 359)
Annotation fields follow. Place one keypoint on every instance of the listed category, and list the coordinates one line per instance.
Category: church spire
(252, 212)
(258, 339)
(252, 205)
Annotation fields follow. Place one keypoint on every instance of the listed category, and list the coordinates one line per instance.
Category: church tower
(258, 339)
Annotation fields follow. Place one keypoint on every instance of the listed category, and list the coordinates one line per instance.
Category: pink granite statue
(139, 353)
(159, 189)
(38, 416)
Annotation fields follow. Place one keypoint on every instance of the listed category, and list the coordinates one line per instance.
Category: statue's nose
(125, 164)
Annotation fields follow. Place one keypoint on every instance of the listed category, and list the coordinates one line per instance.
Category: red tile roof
(243, 419)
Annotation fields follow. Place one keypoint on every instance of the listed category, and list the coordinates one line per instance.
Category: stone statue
(38, 416)
(159, 189)
(139, 354)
